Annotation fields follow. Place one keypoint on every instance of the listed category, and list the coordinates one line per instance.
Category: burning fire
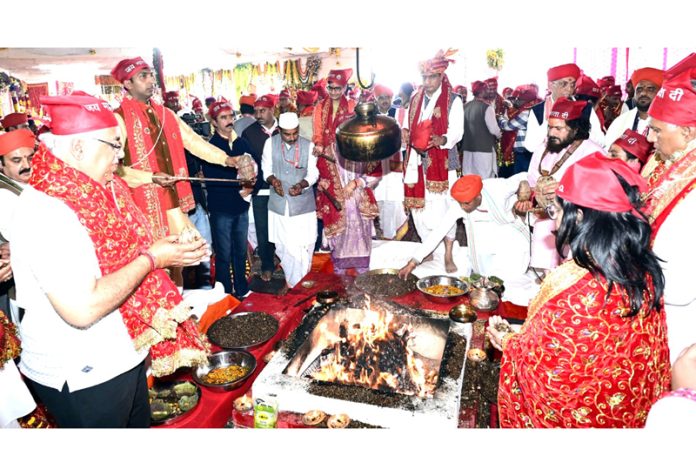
(377, 353)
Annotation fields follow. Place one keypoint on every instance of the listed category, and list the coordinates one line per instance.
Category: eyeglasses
(552, 211)
(334, 88)
(564, 84)
(114, 145)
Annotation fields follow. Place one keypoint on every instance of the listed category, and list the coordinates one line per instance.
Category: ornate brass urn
(368, 136)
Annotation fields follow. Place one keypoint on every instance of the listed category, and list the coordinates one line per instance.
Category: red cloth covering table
(215, 409)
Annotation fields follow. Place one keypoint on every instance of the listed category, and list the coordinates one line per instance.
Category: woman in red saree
(593, 351)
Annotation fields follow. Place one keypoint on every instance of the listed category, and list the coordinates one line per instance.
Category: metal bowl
(463, 313)
(484, 299)
(443, 280)
(222, 359)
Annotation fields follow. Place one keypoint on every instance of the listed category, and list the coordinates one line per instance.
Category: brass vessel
(368, 136)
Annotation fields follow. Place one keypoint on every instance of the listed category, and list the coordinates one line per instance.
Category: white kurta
(674, 244)
(436, 204)
(15, 399)
(544, 254)
(294, 236)
(498, 240)
(623, 122)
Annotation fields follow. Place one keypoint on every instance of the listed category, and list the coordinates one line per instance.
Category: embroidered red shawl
(668, 185)
(140, 141)
(577, 363)
(154, 313)
(325, 136)
(436, 173)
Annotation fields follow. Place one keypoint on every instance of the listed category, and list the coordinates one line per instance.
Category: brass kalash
(367, 136)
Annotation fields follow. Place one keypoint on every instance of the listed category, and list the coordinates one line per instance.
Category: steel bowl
(463, 313)
(222, 359)
(484, 299)
(443, 280)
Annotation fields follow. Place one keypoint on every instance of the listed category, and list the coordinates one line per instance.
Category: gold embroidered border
(558, 280)
(367, 209)
(685, 167)
(437, 186)
(187, 357)
(414, 202)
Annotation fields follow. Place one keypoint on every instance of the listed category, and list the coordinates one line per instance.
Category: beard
(643, 107)
(555, 145)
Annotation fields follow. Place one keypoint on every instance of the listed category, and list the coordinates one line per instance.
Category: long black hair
(615, 246)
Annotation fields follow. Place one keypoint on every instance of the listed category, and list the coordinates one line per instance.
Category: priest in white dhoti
(290, 169)
(497, 240)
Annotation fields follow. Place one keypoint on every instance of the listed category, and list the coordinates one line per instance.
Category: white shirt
(52, 252)
(8, 200)
(268, 130)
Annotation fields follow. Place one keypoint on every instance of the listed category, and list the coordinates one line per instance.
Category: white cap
(288, 120)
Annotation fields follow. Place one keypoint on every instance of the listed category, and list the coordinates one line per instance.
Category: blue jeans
(230, 245)
(200, 220)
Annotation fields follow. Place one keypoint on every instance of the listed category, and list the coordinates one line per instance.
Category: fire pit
(379, 362)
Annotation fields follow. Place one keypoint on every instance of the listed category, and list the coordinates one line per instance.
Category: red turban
(477, 87)
(563, 71)
(16, 139)
(466, 188)
(461, 90)
(507, 92)
(526, 92)
(566, 109)
(381, 90)
(686, 64)
(635, 143)
(306, 98)
(128, 68)
(267, 101)
(218, 108)
(320, 88)
(197, 105)
(675, 102)
(653, 75)
(587, 87)
(491, 84)
(248, 100)
(590, 182)
(339, 76)
(438, 64)
(77, 113)
(606, 81)
(614, 90)
(14, 119)
(172, 95)
(285, 94)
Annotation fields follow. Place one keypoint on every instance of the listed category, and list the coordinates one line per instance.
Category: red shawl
(154, 313)
(141, 134)
(325, 136)
(436, 173)
(667, 186)
(577, 363)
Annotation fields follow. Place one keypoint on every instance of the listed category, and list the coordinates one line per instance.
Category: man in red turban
(481, 130)
(16, 153)
(15, 120)
(568, 140)
(96, 310)
(562, 81)
(671, 206)
(435, 126)
(497, 240)
(384, 96)
(246, 108)
(155, 140)
(513, 125)
(350, 184)
(632, 148)
(646, 83)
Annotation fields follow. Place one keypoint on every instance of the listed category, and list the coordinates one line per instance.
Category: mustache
(23, 171)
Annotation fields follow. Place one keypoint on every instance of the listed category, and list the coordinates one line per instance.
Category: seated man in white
(497, 239)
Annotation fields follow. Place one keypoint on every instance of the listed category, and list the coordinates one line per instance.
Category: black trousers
(266, 248)
(121, 402)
